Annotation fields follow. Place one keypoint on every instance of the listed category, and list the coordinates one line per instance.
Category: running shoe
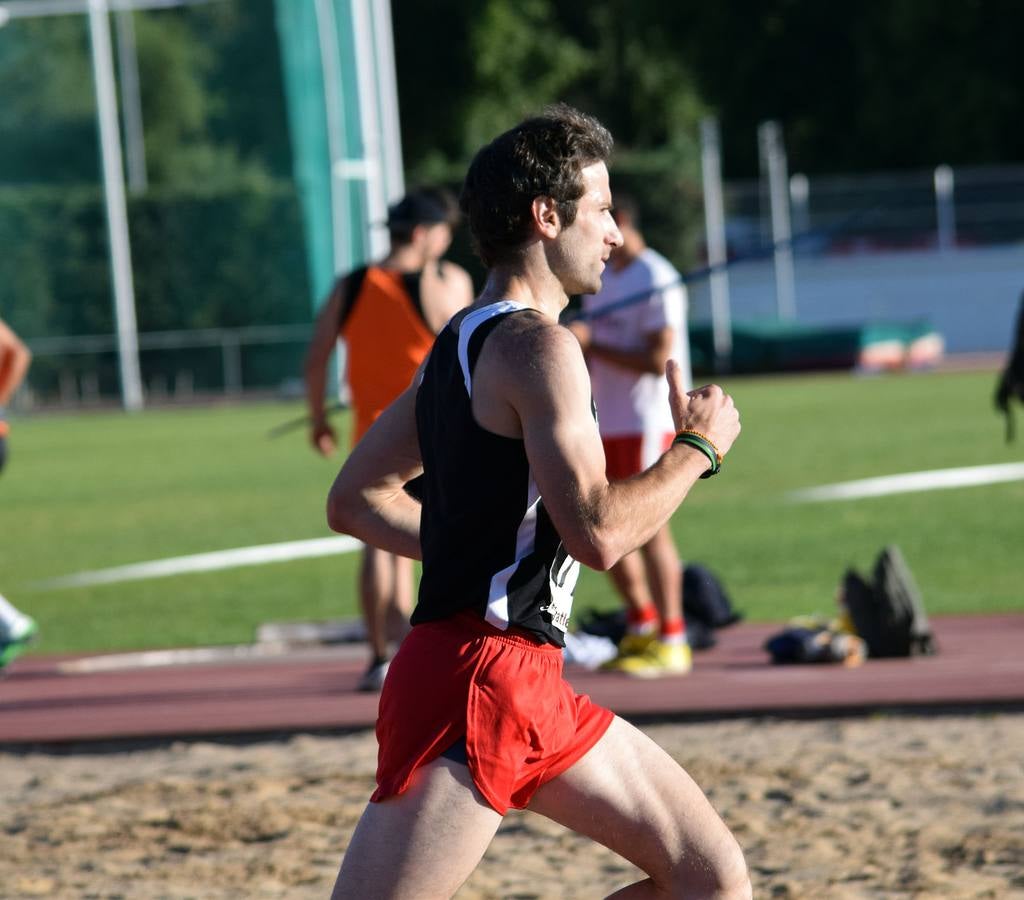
(656, 660)
(373, 677)
(635, 644)
(12, 646)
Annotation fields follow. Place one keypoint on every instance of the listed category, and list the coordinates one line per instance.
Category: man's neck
(404, 258)
(538, 290)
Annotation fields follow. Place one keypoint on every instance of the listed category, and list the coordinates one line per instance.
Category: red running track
(47, 700)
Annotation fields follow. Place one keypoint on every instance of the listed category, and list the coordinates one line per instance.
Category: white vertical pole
(330, 61)
(131, 105)
(117, 214)
(366, 81)
(334, 109)
(714, 225)
(945, 211)
(391, 131)
(799, 197)
(773, 155)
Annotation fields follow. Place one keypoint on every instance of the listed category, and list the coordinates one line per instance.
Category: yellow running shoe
(633, 644)
(657, 660)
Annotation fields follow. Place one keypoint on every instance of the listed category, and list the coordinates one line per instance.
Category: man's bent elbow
(339, 513)
(596, 553)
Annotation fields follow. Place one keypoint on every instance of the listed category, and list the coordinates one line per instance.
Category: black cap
(418, 208)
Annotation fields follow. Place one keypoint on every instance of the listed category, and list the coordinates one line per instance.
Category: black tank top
(488, 543)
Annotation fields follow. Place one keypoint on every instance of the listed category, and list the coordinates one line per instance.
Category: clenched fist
(707, 409)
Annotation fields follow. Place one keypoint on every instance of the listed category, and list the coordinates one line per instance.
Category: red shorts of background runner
(628, 455)
(460, 677)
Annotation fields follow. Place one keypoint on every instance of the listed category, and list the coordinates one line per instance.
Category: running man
(627, 348)
(388, 314)
(16, 629)
(475, 716)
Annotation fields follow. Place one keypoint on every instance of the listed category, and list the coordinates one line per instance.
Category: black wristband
(699, 442)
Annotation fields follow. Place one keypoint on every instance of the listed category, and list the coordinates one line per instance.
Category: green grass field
(91, 491)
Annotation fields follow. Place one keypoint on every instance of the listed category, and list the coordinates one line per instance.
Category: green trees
(875, 85)
(216, 238)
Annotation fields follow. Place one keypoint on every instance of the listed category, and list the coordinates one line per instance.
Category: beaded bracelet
(703, 443)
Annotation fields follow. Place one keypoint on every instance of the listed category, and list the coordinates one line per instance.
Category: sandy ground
(850, 808)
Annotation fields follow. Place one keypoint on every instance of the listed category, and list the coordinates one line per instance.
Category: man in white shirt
(634, 326)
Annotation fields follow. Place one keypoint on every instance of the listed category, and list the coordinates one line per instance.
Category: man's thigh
(630, 795)
(421, 844)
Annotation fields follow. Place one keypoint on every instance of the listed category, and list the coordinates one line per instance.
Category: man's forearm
(384, 517)
(316, 383)
(14, 363)
(624, 515)
(643, 361)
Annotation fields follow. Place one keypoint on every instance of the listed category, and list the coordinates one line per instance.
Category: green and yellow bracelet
(703, 443)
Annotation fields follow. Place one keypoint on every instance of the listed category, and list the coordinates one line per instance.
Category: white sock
(12, 622)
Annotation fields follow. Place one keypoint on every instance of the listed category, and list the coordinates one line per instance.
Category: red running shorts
(461, 677)
(628, 455)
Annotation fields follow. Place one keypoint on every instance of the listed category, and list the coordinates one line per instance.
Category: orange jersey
(387, 339)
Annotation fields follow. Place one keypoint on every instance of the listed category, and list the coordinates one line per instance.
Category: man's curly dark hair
(541, 157)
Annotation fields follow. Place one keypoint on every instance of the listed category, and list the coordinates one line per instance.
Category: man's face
(579, 253)
(436, 240)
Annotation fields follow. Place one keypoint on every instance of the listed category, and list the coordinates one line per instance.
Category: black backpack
(889, 613)
(1011, 381)
(706, 607)
(705, 599)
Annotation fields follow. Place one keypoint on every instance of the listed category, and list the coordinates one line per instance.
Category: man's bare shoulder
(444, 290)
(454, 272)
(532, 341)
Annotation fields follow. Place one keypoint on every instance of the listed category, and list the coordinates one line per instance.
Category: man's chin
(592, 287)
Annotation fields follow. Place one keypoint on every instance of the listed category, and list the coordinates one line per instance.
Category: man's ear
(418, 235)
(545, 216)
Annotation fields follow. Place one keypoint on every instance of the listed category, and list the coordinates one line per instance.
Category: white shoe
(14, 644)
(373, 677)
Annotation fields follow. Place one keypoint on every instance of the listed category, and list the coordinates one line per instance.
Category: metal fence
(913, 210)
(947, 247)
(177, 366)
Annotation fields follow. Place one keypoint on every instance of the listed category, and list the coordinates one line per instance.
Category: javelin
(685, 278)
(302, 421)
(705, 271)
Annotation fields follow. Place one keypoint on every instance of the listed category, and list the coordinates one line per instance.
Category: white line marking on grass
(208, 562)
(197, 656)
(934, 480)
(148, 659)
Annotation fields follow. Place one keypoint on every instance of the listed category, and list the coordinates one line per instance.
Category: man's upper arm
(551, 395)
(390, 450)
(663, 317)
(660, 344)
(325, 328)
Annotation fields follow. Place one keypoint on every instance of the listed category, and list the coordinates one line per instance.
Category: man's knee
(727, 877)
(720, 874)
(734, 878)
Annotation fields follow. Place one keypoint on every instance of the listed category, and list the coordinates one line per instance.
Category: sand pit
(886, 807)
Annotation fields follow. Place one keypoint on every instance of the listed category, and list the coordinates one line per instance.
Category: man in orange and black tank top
(388, 314)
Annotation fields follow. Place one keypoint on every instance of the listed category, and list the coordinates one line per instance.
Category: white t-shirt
(631, 402)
